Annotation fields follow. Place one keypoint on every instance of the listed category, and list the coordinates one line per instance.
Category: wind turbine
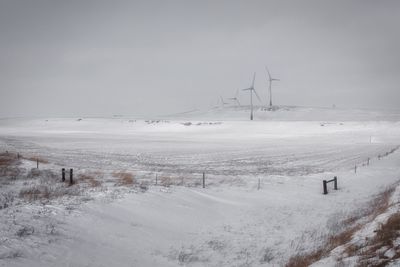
(235, 99)
(270, 80)
(251, 90)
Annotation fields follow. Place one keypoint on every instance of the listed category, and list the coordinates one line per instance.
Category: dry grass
(7, 159)
(125, 178)
(8, 167)
(306, 259)
(385, 235)
(47, 192)
(35, 193)
(89, 178)
(35, 159)
(166, 181)
(375, 207)
(388, 231)
(380, 203)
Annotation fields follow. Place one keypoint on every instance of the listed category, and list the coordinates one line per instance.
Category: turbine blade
(269, 74)
(254, 78)
(255, 92)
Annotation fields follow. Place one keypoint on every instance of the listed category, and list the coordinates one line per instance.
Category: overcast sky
(96, 58)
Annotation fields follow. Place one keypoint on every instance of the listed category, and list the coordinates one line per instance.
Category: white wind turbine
(251, 89)
(270, 80)
(235, 99)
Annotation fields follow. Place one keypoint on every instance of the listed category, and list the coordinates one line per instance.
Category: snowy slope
(230, 222)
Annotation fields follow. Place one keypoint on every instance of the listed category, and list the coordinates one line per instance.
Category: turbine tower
(251, 90)
(270, 80)
(235, 99)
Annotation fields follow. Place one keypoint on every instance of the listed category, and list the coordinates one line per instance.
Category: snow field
(230, 222)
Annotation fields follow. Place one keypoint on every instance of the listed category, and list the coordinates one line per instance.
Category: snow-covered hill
(290, 113)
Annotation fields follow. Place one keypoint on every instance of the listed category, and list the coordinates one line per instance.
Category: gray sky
(71, 58)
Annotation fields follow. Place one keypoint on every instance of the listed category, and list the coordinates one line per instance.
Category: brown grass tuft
(166, 181)
(7, 159)
(125, 178)
(89, 178)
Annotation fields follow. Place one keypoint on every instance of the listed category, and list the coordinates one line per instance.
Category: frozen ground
(230, 222)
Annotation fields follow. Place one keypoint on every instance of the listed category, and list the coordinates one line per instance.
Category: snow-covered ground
(231, 222)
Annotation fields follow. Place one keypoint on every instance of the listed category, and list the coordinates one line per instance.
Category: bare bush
(25, 231)
(144, 186)
(267, 256)
(11, 255)
(6, 199)
(187, 256)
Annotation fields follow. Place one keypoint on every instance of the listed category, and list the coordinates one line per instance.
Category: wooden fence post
(156, 178)
(335, 183)
(37, 163)
(63, 174)
(71, 180)
(259, 184)
(355, 168)
(324, 186)
(368, 161)
(204, 180)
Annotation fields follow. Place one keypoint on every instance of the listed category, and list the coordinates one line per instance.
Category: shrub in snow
(6, 199)
(25, 231)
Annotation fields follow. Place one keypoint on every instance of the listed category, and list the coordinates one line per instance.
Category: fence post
(37, 163)
(259, 184)
(17, 155)
(71, 180)
(63, 174)
(355, 168)
(335, 182)
(156, 178)
(368, 161)
(324, 186)
(204, 180)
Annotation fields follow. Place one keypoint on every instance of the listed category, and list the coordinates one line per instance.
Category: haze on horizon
(95, 58)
